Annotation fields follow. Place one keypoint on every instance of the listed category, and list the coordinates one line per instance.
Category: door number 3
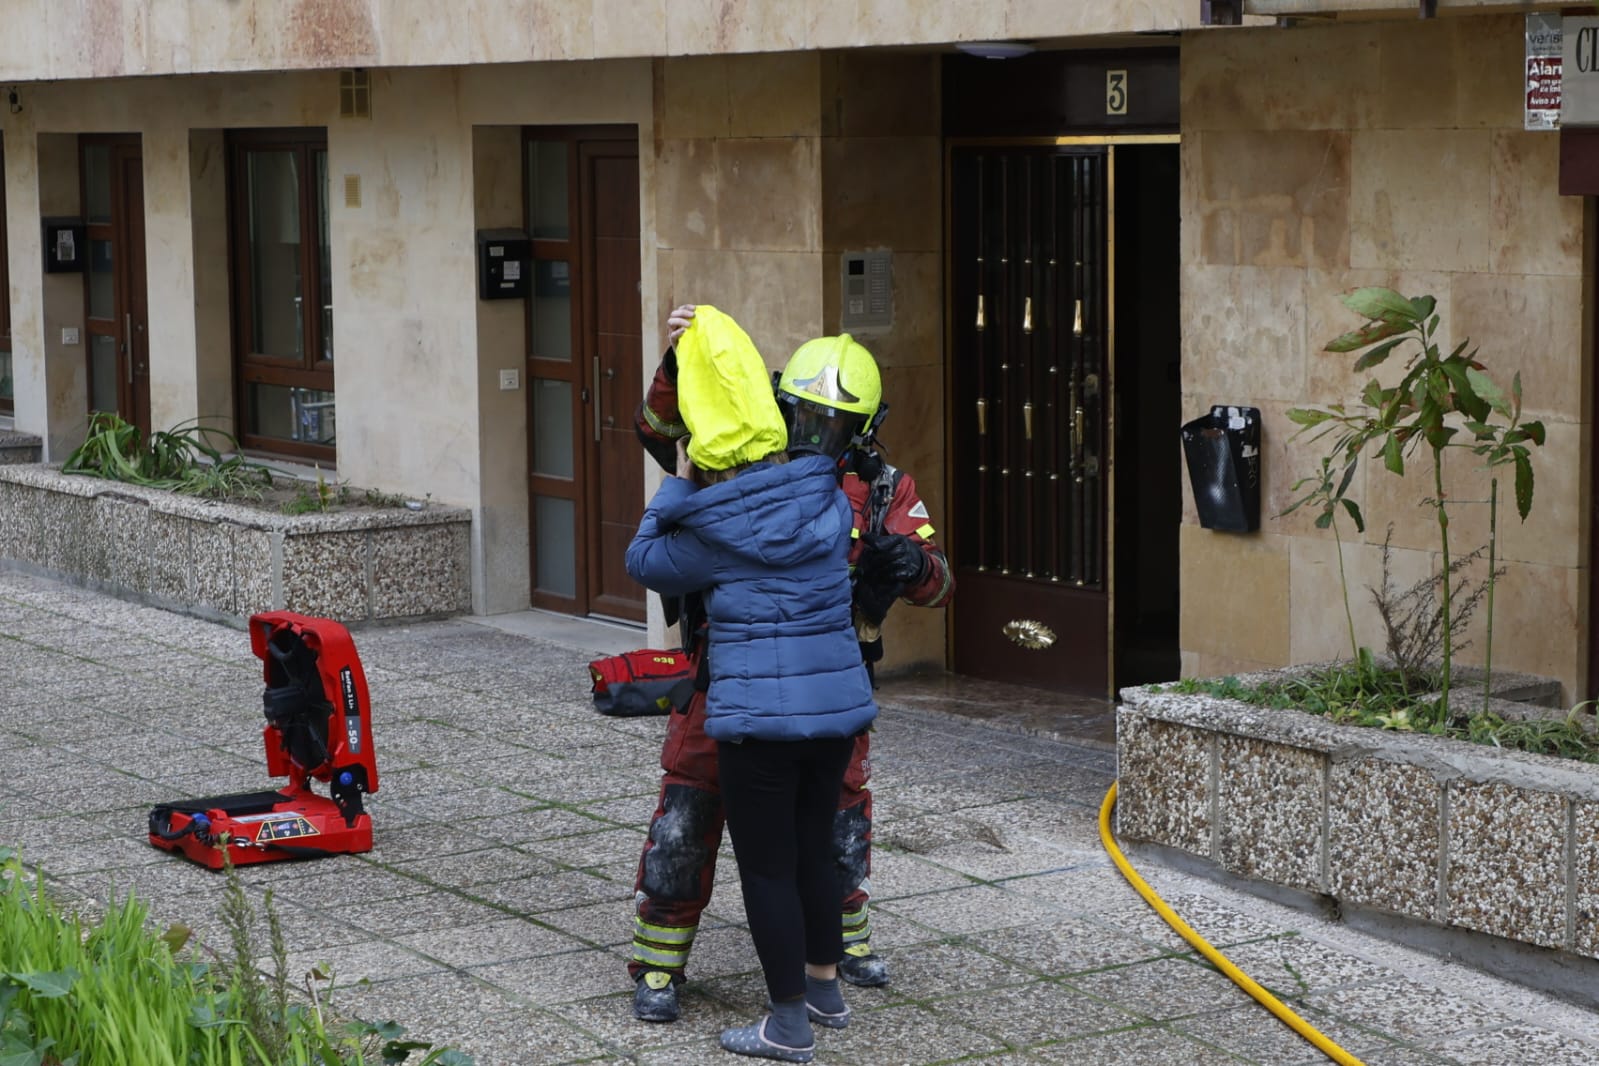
(1115, 92)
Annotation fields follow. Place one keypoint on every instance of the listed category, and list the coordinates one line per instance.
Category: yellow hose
(1238, 977)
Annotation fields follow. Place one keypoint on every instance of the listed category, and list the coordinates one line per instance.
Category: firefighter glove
(889, 564)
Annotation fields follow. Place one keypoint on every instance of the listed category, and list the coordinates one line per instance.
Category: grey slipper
(751, 1040)
(823, 1018)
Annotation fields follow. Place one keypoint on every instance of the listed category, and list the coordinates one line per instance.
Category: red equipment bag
(318, 727)
(642, 682)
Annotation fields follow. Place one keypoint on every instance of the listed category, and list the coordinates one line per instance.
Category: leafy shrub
(111, 993)
(188, 458)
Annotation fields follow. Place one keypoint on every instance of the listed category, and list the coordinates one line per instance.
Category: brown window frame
(310, 371)
(7, 405)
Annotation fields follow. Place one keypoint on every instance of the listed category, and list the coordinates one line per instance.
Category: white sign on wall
(1544, 62)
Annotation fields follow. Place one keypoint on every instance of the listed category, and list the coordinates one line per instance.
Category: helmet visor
(824, 430)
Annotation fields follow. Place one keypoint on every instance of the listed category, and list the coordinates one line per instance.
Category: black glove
(889, 564)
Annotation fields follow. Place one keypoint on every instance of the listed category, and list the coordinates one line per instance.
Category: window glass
(554, 546)
(546, 190)
(552, 310)
(97, 182)
(102, 281)
(552, 427)
(293, 414)
(6, 387)
(272, 192)
(102, 373)
(324, 256)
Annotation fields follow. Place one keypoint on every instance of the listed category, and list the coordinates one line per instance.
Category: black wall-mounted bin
(1223, 452)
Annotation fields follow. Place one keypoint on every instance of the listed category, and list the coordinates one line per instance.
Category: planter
(229, 561)
(1425, 836)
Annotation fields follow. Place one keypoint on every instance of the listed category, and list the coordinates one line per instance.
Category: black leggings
(780, 796)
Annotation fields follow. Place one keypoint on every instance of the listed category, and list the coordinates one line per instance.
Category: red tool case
(318, 726)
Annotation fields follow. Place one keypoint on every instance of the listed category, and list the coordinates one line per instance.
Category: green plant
(1386, 699)
(1327, 494)
(190, 458)
(1438, 397)
(110, 992)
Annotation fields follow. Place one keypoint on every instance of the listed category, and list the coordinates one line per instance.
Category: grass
(1365, 694)
(111, 992)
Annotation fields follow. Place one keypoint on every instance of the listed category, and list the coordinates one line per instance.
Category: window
(282, 293)
(7, 405)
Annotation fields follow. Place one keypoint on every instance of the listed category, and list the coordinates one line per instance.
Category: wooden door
(585, 332)
(1031, 363)
(117, 333)
(615, 498)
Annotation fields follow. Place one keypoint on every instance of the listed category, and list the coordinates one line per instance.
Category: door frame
(575, 250)
(1109, 141)
(130, 277)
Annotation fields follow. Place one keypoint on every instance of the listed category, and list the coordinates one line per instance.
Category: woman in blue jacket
(766, 540)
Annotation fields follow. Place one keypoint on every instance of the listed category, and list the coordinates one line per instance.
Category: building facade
(279, 214)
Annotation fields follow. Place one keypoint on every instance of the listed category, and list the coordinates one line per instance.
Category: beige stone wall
(767, 168)
(50, 39)
(1400, 162)
(418, 402)
(882, 167)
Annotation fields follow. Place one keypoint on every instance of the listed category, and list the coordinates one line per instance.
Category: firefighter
(830, 393)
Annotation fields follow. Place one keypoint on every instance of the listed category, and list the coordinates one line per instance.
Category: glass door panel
(555, 545)
(552, 428)
(272, 191)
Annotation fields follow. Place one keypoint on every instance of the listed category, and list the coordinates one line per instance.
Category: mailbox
(502, 264)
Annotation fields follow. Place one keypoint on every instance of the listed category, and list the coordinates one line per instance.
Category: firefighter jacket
(769, 550)
(884, 499)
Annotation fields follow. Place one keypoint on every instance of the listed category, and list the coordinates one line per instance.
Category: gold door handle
(982, 417)
(1027, 419)
(981, 322)
(1077, 433)
(1027, 315)
(1077, 320)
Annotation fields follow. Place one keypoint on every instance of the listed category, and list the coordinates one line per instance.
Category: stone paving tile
(1257, 1036)
(434, 908)
(369, 960)
(971, 910)
(1292, 966)
(1040, 1013)
(903, 1036)
(1064, 947)
(550, 979)
(438, 911)
(1407, 1010)
(1516, 1045)
(474, 869)
(502, 940)
(898, 874)
(928, 970)
(1162, 988)
(1150, 1046)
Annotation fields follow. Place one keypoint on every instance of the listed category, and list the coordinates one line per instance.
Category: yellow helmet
(830, 393)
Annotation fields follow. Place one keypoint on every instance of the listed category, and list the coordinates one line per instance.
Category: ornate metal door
(1031, 357)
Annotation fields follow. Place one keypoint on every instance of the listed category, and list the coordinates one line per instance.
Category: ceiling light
(995, 49)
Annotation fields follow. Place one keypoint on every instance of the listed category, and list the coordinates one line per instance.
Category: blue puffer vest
(769, 549)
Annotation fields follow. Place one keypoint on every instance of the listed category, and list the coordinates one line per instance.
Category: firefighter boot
(861, 966)
(655, 997)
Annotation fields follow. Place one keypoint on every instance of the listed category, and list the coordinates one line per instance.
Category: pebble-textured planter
(1460, 835)
(218, 559)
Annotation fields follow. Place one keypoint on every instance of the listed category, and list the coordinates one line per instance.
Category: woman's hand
(685, 468)
(680, 319)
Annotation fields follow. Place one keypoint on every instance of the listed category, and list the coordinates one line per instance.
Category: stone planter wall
(218, 559)
(1459, 835)
(18, 447)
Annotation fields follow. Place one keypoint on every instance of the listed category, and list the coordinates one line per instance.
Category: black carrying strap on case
(294, 702)
(238, 805)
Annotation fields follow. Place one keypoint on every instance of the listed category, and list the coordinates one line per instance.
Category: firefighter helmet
(831, 395)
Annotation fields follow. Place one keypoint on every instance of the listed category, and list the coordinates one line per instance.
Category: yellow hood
(725, 394)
